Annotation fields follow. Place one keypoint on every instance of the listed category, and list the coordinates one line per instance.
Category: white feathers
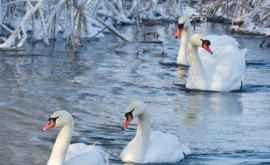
(165, 148)
(162, 148)
(152, 146)
(82, 154)
(64, 153)
(224, 70)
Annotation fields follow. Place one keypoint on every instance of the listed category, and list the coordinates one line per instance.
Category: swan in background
(150, 146)
(182, 31)
(75, 154)
(221, 70)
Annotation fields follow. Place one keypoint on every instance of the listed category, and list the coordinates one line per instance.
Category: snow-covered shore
(245, 15)
(76, 19)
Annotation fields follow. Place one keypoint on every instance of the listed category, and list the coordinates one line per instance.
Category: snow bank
(250, 15)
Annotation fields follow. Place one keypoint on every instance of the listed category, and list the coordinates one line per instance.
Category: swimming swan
(182, 31)
(150, 146)
(219, 69)
(64, 153)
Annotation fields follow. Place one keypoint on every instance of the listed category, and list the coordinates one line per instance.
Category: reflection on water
(215, 103)
(95, 84)
(181, 73)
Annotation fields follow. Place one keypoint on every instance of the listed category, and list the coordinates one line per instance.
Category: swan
(219, 70)
(64, 153)
(150, 146)
(182, 31)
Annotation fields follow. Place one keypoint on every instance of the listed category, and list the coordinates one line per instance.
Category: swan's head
(58, 120)
(135, 109)
(183, 23)
(200, 41)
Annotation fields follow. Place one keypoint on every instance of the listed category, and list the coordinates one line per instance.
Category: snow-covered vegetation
(249, 15)
(76, 19)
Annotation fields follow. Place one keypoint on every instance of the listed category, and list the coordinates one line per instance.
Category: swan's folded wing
(165, 147)
(76, 149)
(82, 153)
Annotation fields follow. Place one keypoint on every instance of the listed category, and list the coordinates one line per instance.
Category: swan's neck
(143, 130)
(182, 57)
(196, 64)
(61, 145)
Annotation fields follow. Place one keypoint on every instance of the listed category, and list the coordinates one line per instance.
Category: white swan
(221, 71)
(148, 146)
(75, 154)
(182, 31)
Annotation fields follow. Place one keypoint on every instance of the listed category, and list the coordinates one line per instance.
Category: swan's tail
(106, 159)
(106, 156)
(95, 143)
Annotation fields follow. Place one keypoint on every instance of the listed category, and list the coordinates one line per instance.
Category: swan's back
(162, 148)
(82, 154)
(224, 69)
(165, 147)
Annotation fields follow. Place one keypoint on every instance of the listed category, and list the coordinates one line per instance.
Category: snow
(254, 14)
(77, 19)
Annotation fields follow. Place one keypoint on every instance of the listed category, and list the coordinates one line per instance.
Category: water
(96, 84)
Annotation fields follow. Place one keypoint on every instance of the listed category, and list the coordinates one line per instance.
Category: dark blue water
(96, 83)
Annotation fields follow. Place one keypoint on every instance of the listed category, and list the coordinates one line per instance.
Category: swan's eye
(180, 26)
(129, 114)
(206, 45)
(206, 42)
(53, 119)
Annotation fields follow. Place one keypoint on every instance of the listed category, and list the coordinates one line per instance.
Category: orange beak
(206, 47)
(127, 122)
(178, 32)
(50, 124)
